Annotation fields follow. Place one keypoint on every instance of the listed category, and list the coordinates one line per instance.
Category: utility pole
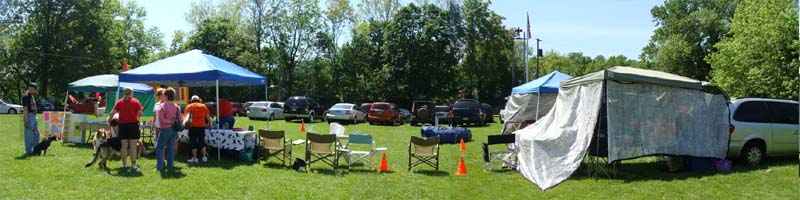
(517, 31)
(525, 59)
(538, 56)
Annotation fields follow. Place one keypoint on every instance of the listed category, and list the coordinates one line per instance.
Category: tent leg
(64, 117)
(538, 95)
(266, 98)
(217, 91)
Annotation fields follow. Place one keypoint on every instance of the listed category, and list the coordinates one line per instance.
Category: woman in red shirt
(129, 110)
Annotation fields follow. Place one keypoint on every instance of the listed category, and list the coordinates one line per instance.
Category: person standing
(197, 132)
(168, 114)
(130, 110)
(156, 126)
(31, 125)
(226, 119)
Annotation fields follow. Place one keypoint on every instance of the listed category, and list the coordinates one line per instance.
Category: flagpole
(526, 48)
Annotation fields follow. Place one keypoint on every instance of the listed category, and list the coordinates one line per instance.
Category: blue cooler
(450, 135)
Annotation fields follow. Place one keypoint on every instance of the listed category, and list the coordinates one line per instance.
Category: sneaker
(193, 160)
(135, 168)
(205, 159)
(124, 167)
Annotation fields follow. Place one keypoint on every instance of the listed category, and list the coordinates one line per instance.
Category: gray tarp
(662, 114)
(521, 109)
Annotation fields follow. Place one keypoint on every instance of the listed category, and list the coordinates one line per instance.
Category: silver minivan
(763, 127)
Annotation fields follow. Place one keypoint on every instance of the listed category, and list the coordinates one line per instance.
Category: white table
(225, 139)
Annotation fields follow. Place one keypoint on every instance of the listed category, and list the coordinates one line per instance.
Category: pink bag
(723, 165)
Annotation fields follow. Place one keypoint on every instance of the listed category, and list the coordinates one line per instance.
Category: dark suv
(300, 107)
(423, 112)
(466, 111)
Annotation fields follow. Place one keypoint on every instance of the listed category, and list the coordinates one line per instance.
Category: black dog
(299, 165)
(41, 148)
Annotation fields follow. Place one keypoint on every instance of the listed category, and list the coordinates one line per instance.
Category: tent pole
(64, 116)
(266, 98)
(538, 95)
(218, 148)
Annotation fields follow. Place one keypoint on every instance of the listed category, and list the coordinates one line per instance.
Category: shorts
(129, 131)
(197, 137)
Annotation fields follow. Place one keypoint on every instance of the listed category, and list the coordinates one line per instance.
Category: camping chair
(489, 156)
(147, 131)
(321, 148)
(275, 141)
(426, 151)
(337, 129)
(353, 156)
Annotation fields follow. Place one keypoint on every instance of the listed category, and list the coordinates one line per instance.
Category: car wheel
(12, 111)
(271, 117)
(413, 123)
(753, 153)
(311, 118)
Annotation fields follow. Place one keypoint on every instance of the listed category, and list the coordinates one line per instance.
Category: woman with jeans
(168, 113)
(197, 132)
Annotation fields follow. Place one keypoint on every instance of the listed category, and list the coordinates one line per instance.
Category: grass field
(61, 175)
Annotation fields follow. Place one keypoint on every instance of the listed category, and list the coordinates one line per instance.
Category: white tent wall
(647, 119)
(551, 149)
(521, 108)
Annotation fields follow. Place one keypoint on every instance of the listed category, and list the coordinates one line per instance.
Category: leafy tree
(759, 58)
(687, 32)
(487, 52)
(379, 10)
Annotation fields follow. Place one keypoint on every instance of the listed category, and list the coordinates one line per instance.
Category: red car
(384, 113)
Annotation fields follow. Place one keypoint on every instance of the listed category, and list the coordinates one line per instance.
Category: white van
(763, 127)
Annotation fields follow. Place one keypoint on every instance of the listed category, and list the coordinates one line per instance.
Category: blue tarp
(546, 84)
(105, 83)
(193, 69)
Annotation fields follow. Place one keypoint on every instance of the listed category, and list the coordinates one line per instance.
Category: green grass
(61, 174)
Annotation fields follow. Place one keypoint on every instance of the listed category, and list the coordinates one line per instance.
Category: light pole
(538, 56)
(517, 32)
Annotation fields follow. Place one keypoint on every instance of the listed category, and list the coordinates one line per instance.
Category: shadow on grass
(172, 174)
(275, 165)
(127, 173)
(432, 172)
(658, 170)
(23, 157)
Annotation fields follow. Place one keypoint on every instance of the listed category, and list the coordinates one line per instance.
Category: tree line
(382, 50)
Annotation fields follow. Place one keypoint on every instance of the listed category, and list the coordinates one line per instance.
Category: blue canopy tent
(195, 69)
(522, 108)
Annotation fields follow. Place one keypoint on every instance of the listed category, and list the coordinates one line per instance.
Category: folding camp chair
(353, 156)
(275, 141)
(507, 157)
(426, 151)
(321, 148)
(337, 129)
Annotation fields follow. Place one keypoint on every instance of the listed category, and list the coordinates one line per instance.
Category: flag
(529, 25)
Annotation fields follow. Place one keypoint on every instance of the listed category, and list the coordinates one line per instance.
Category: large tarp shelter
(623, 113)
(195, 69)
(109, 83)
(531, 101)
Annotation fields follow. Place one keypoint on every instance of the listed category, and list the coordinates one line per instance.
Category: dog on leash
(41, 148)
(105, 148)
(99, 137)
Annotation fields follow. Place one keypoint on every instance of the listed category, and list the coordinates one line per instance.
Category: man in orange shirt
(197, 133)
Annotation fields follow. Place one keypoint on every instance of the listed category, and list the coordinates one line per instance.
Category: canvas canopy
(193, 69)
(632, 113)
(530, 101)
(109, 83)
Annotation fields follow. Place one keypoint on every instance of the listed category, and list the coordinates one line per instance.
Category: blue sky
(609, 27)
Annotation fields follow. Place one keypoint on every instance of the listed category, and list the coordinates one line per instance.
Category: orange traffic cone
(303, 126)
(462, 169)
(384, 166)
(463, 147)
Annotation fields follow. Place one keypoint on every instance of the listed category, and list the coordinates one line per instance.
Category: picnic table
(225, 139)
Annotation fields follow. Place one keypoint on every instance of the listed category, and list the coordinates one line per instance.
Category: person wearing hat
(31, 125)
(197, 132)
(130, 110)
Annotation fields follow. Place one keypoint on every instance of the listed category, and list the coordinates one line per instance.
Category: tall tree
(339, 15)
(686, 33)
(488, 56)
(292, 27)
(379, 10)
(759, 59)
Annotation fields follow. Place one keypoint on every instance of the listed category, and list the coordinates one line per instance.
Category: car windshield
(296, 102)
(342, 106)
(366, 107)
(380, 106)
(465, 104)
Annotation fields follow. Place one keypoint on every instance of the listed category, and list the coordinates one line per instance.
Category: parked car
(762, 128)
(87, 105)
(423, 112)
(366, 107)
(466, 111)
(385, 113)
(10, 108)
(301, 107)
(486, 109)
(246, 106)
(345, 112)
(265, 110)
(238, 110)
(443, 112)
